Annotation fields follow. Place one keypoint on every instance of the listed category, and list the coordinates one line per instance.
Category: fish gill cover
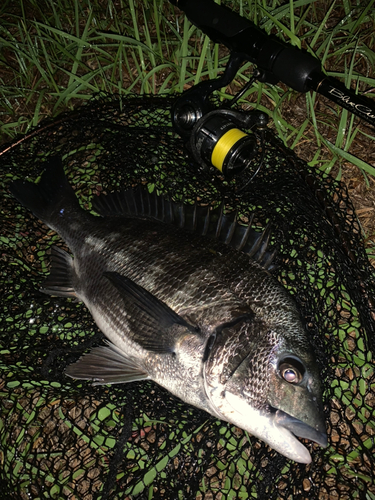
(62, 438)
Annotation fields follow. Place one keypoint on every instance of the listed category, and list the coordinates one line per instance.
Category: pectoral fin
(153, 324)
(106, 365)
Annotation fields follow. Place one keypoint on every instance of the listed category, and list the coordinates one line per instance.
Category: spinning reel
(227, 139)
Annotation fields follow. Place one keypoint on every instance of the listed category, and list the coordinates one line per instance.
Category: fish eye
(291, 370)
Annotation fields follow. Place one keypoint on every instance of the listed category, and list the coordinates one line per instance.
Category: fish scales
(192, 313)
(176, 278)
(182, 280)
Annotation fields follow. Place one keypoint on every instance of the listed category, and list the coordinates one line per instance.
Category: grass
(56, 54)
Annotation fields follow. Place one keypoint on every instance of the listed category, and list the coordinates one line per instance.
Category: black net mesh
(67, 439)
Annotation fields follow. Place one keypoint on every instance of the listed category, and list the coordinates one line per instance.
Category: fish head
(267, 382)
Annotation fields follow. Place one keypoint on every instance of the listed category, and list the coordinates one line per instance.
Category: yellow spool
(223, 146)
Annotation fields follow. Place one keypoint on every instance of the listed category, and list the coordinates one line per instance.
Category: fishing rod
(275, 59)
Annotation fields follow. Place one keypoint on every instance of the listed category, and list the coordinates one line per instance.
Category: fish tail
(50, 199)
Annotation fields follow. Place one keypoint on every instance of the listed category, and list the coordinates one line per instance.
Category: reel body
(227, 139)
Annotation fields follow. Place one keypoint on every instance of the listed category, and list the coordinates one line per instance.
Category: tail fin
(51, 198)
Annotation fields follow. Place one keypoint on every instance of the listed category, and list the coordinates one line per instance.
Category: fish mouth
(301, 429)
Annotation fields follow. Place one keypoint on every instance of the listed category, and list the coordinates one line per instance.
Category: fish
(186, 298)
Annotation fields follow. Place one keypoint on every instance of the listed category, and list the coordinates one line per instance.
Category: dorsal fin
(202, 220)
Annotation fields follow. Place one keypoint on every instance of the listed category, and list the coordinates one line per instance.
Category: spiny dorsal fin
(202, 220)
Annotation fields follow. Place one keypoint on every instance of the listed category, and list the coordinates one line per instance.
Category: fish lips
(301, 429)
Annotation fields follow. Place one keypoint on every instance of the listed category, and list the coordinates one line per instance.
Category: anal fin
(60, 280)
(106, 365)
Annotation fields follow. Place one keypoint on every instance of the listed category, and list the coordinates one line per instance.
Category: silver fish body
(197, 316)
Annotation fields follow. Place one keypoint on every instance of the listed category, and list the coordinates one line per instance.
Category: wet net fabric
(62, 438)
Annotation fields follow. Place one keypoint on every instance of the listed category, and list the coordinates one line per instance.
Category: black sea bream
(196, 315)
